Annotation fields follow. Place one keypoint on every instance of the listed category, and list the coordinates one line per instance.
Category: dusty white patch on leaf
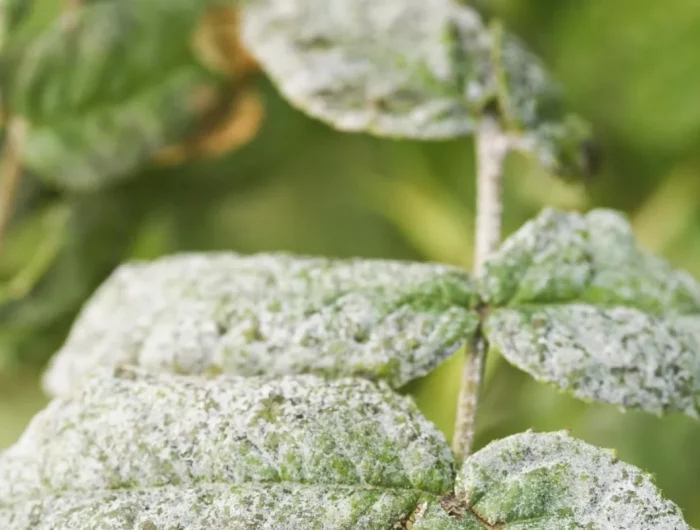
(271, 314)
(131, 429)
(569, 257)
(411, 69)
(151, 451)
(590, 312)
(551, 481)
(283, 506)
(613, 355)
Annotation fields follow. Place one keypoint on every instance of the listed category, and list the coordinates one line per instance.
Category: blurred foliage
(250, 174)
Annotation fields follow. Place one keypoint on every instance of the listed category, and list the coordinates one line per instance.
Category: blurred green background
(632, 67)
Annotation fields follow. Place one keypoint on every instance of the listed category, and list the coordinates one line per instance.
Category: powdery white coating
(225, 507)
(569, 257)
(271, 314)
(410, 68)
(550, 481)
(592, 313)
(614, 355)
(134, 430)
(392, 68)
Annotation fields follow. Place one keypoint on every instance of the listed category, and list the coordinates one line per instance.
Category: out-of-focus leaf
(412, 69)
(30, 250)
(634, 67)
(218, 44)
(12, 14)
(106, 89)
(232, 123)
(151, 451)
(271, 314)
(237, 114)
(550, 481)
(590, 312)
(66, 265)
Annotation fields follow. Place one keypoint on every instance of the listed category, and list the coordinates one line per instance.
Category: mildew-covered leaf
(220, 506)
(590, 312)
(105, 87)
(271, 314)
(615, 355)
(139, 450)
(550, 481)
(570, 257)
(134, 429)
(415, 69)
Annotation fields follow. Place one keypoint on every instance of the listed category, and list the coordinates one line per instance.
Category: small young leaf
(107, 87)
(134, 449)
(410, 68)
(587, 310)
(550, 481)
(88, 238)
(272, 314)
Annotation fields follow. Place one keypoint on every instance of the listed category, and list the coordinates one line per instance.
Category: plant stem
(10, 171)
(491, 148)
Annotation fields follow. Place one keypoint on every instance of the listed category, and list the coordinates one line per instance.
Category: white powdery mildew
(406, 68)
(569, 257)
(271, 314)
(550, 481)
(614, 355)
(384, 67)
(222, 507)
(131, 430)
(592, 313)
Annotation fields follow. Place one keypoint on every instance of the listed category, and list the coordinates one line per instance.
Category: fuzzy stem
(491, 149)
(10, 171)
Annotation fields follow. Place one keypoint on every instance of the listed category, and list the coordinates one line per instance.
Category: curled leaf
(218, 44)
(271, 314)
(60, 256)
(234, 115)
(233, 122)
(578, 304)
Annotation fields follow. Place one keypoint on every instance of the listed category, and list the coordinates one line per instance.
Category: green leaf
(550, 481)
(151, 451)
(415, 69)
(578, 304)
(272, 314)
(90, 235)
(106, 87)
(12, 14)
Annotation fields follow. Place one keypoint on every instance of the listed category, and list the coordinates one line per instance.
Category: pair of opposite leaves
(570, 299)
(105, 91)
